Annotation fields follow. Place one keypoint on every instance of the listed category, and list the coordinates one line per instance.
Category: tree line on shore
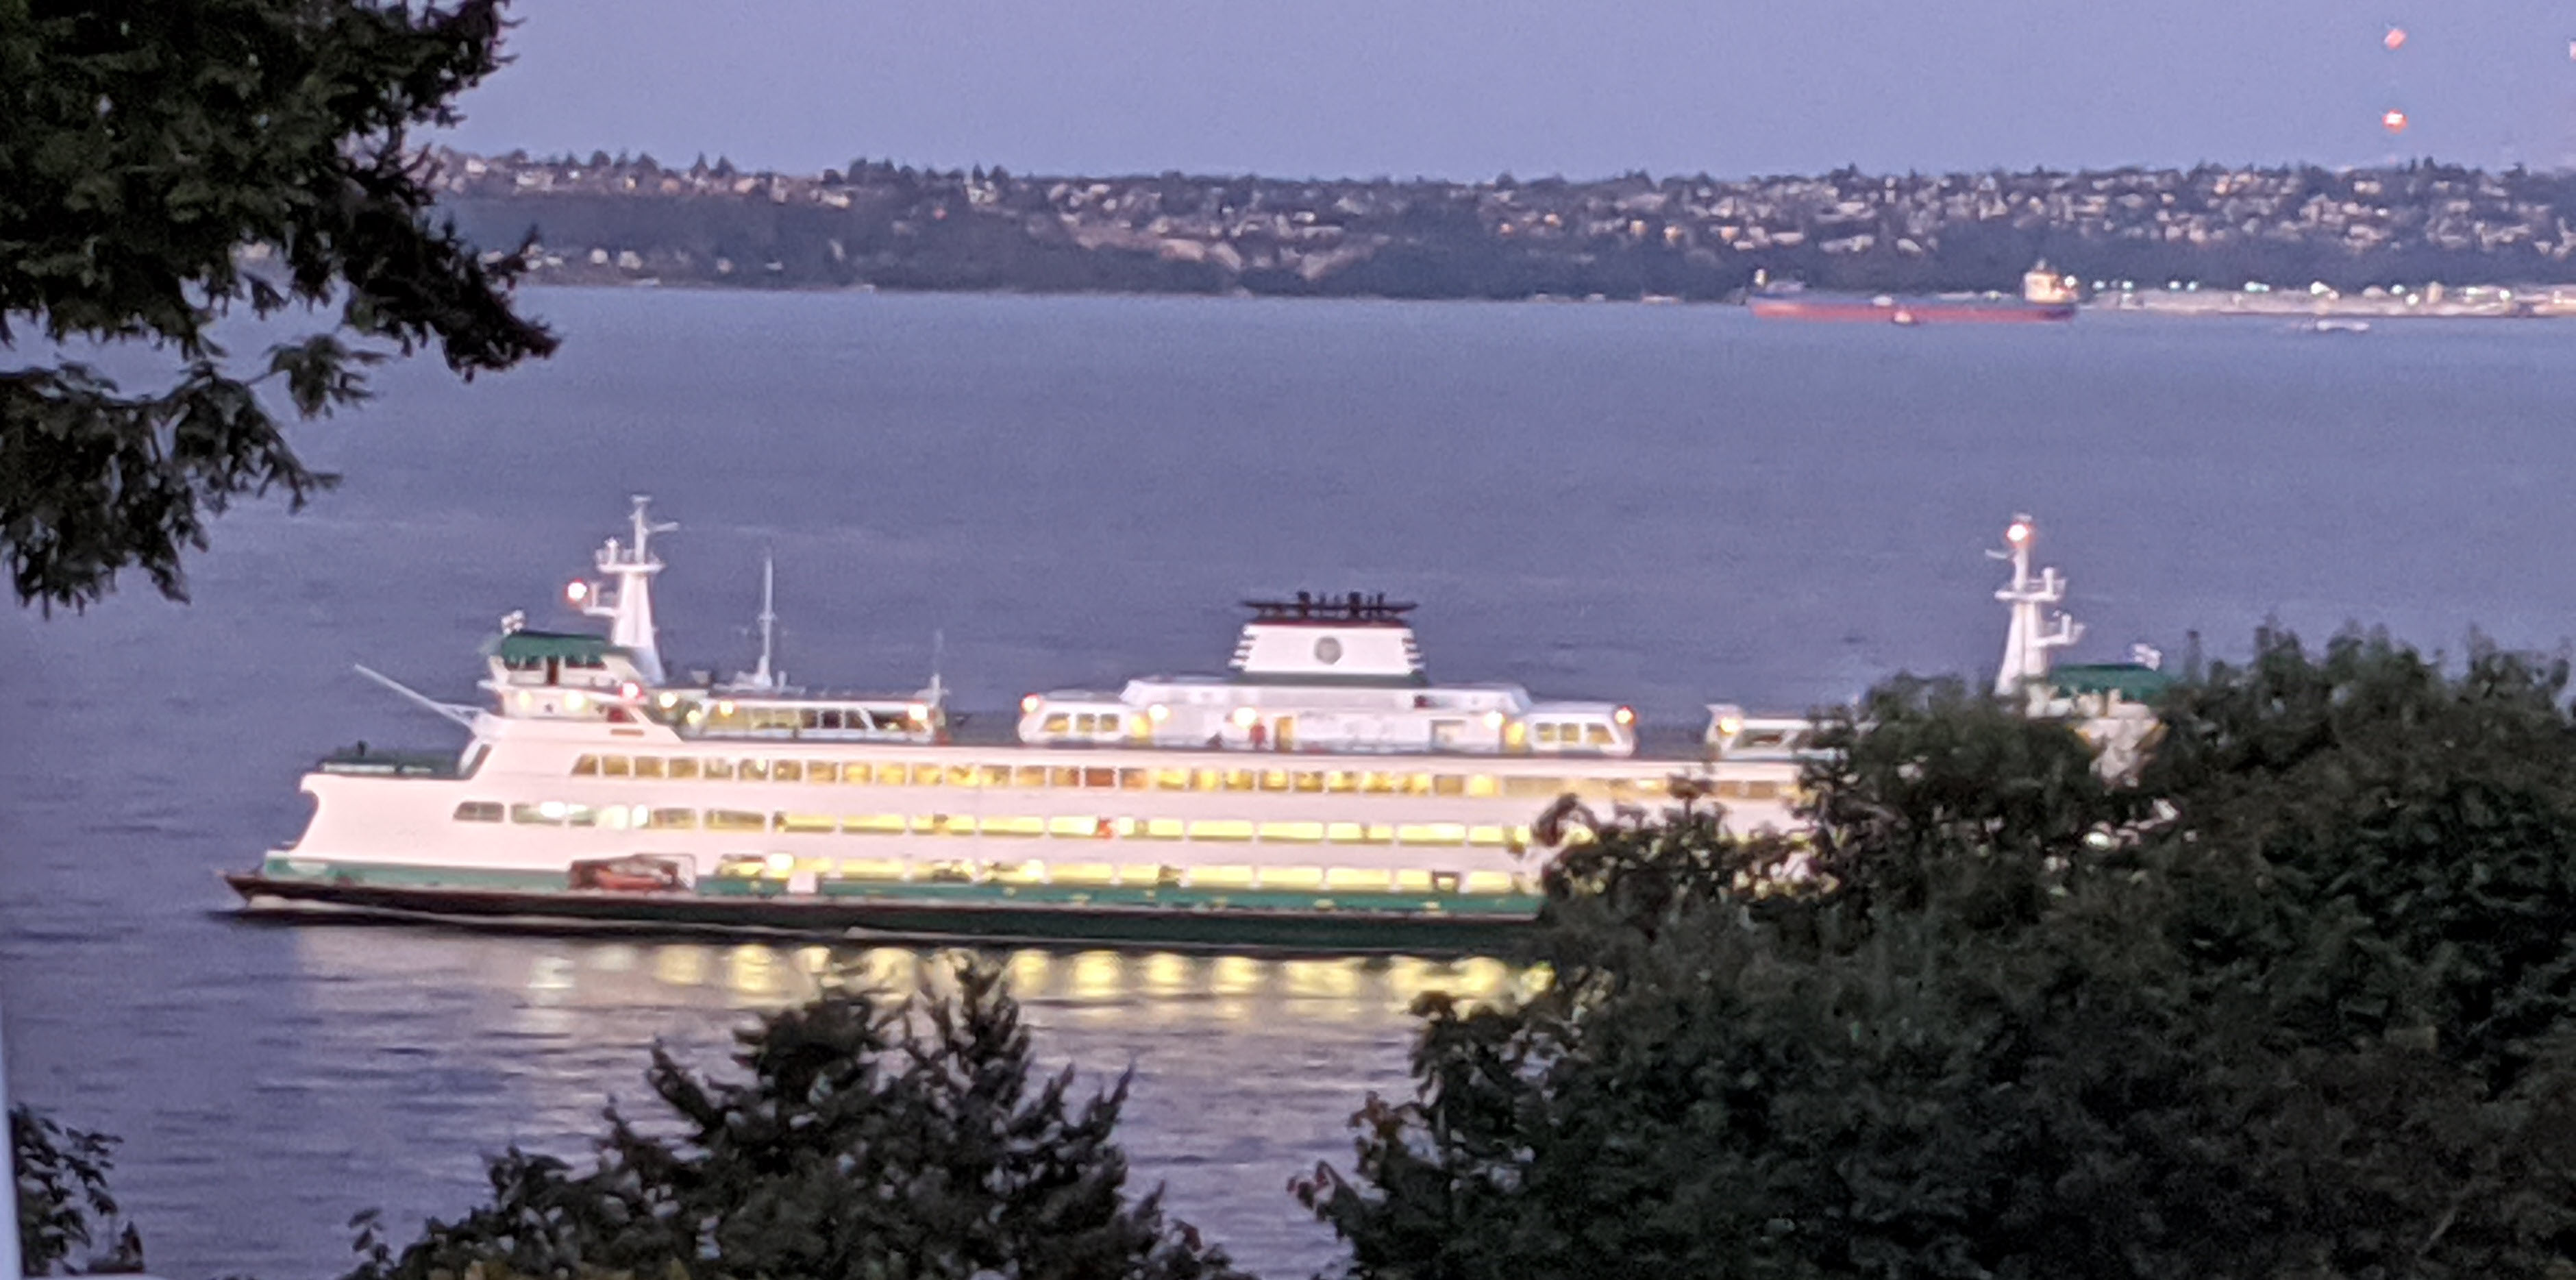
(2296, 1001)
(620, 219)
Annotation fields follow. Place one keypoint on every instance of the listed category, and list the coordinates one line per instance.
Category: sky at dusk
(1467, 89)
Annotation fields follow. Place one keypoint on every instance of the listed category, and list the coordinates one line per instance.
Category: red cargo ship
(2045, 297)
(1887, 310)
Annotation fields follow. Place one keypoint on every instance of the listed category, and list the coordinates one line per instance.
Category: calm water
(1663, 505)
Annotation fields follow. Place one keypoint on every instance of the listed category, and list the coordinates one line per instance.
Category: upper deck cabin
(1329, 674)
(544, 675)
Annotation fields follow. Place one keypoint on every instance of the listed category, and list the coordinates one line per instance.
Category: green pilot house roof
(2129, 680)
(537, 646)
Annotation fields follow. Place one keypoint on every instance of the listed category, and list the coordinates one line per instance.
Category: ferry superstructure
(1324, 794)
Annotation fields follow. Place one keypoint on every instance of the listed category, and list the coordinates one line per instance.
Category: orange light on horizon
(2395, 39)
(2393, 121)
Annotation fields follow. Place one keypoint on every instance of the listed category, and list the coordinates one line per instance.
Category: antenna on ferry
(761, 676)
(937, 693)
(2027, 644)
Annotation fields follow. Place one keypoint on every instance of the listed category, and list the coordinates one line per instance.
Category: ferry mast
(630, 615)
(2027, 644)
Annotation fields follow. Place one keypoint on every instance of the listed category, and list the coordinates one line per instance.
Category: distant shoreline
(2297, 230)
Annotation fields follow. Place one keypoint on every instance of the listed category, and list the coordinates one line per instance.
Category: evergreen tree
(2294, 1005)
(143, 150)
(870, 1140)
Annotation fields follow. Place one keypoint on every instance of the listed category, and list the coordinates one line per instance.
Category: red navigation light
(2393, 121)
(2395, 39)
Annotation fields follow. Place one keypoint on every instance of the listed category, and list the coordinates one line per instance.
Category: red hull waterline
(1911, 311)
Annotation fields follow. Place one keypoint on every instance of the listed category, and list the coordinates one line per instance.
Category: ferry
(1324, 795)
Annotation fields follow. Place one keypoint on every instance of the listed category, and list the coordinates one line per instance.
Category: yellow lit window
(648, 766)
(1164, 829)
(928, 775)
(1057, 723)
(586, 767)
(1207, 780)
(807, 823)
(684, 767)
(1431, 833)
(580, 815)
(1274, 779)
(1029, 872)
(752, 770)
(964, 775)
(785, 771)
(873, 824)
(735, 820)
(1171, 779)
(1064, 777)
(1411, 881)
(1132, 780)
(1073, 826)
(871, 868)
(1448, 784)
(718, 769)
(1340, 780)
(1024, 826)
(893, 775)
(1083, 873)
(1100, 777)
(1546, 733)
(1761, 790)
(1534, 788)
(1141, 874)
(1491, 836)
(1489, 882)
(1220, 829)
(1242, 780)
(479, 811)
(1376, 783)
(822, 771)
(942, 824)
(1482, 784)
(1220, 877)
(1365, 878)
(672, 819)
(1597, 735)
(615, 767)
(1292, 877)
(1029, 775)
(1292, 832)
(1308, 780)
(1344, 832)
(1418, 784)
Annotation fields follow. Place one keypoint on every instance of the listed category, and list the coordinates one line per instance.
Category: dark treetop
(161, 164)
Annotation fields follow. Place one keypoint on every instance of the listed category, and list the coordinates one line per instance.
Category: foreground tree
(164, 164)
(67, 1217)
(871, 1139)
(2297, 1004)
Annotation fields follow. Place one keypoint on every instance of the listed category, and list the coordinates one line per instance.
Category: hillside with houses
(631, 219)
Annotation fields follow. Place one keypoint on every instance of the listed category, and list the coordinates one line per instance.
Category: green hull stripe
(286, 868)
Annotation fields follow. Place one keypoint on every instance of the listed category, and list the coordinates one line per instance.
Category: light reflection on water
(1244, 1069)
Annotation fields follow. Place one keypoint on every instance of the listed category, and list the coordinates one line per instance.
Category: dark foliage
(64, 1207)
(2296, 1004)
(163, 164)
(870, 1139)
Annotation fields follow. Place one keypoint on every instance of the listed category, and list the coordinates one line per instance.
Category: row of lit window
(779, 866)
(639, 817)
(1547, 732)
(1314, 781)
